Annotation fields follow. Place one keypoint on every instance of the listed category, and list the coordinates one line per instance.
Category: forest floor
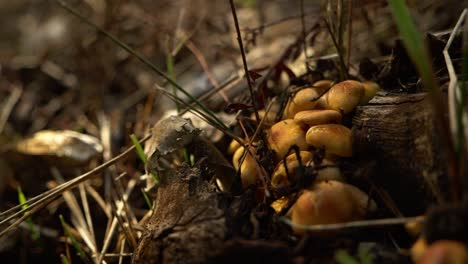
(91, 196)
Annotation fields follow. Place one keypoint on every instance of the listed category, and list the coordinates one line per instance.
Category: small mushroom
(330, 202)
(269, 118)
(318, 117)
(233, 146)
(305, 99)
(279, 204)
(444, 252)
(280, 178)
(285, 134)
(248, 168)
(414, 227)
(418, 249)
(344, 96)
(337, 139)
(370, 90)
(321, 86)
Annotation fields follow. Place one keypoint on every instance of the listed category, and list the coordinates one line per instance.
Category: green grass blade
(139, 149)
(142, 156)
(147, 199)
(413, 42)
(75, 243)
(171, 74)
(342, 257)
(35, 234)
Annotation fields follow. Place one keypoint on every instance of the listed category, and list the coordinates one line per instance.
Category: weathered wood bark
(398, 133)
(194, 223)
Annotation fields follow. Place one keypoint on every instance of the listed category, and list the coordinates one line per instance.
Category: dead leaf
(61, 147)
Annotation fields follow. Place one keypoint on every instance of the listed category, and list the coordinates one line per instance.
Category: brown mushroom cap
(305, 99)
(344, 96)
(337, 139)
(279, 177)
(283, 135)
(444, 252)
(248, 168)
(329, 202)
(318, 117)
(370, 90)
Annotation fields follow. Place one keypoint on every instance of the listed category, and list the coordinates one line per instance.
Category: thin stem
(244, 61)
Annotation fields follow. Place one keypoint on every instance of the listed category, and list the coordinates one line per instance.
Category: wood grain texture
(397, 132)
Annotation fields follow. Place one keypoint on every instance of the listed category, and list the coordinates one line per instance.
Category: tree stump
(397, 132)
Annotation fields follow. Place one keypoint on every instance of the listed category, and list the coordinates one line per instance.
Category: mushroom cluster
(311, 122)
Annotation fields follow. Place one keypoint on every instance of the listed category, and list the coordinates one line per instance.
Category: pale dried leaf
(63, 147)
(168, 135)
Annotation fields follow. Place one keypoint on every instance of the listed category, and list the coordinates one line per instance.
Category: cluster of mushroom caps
(311, 121)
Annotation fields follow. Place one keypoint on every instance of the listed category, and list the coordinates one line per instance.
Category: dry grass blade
(78, 218)
(40, 201)
(114, 221)
(453, 91)
(9, 104)
(87, 212)
(353, 225)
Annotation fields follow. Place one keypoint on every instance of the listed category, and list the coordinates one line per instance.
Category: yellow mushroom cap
(337, 139)
(418, 249)
(414, 227)
(444, 252)
(305, 99)
(344, 96)
(322, 85)
(248, 168)
(370, 90)
(279, 177)
(269, 118)
(329, 202)
(318, 117)
(283, 135)
(279, 204)
(233, 146)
